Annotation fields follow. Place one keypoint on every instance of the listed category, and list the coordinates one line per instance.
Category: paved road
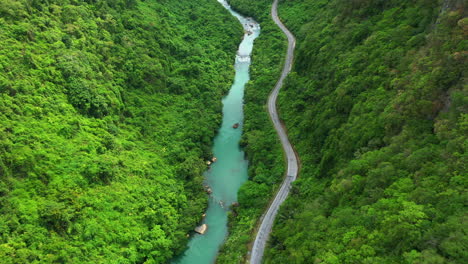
(268, 219)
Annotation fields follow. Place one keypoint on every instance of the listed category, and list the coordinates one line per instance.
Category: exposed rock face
(201, 229)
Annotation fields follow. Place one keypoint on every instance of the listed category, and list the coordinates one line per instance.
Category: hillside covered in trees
(376, 106)
(107, 111)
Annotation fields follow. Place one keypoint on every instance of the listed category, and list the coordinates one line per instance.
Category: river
(229, 172)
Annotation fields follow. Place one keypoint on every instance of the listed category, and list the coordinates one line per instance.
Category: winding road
(291, 175)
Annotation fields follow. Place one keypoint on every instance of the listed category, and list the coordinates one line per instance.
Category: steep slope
(107, 110)
(377, 108)
(378, 111)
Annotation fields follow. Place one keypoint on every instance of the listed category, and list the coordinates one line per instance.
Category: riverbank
(108, 109)
(260, 141)
(225, 176)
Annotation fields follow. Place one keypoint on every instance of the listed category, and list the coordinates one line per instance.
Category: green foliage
(376, 107)
(107, 110)
(260, 141)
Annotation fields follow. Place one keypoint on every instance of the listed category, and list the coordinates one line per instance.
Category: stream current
(229, 172)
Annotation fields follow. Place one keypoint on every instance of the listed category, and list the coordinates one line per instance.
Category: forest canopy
(376, 106)
(107, 111)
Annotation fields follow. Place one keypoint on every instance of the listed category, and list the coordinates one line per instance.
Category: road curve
(268, 218)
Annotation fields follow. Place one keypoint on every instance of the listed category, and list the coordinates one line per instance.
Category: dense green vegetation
(377, 109)
(107, 110)
(260, 142)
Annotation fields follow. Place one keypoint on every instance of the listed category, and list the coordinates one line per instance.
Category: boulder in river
(208, 163)
(214, 159)
(201, 229)
(236, 125)
(209, 191)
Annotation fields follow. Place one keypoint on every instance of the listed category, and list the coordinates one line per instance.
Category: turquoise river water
(229, 172)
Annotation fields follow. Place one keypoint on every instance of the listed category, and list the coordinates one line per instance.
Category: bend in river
(229, 172)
